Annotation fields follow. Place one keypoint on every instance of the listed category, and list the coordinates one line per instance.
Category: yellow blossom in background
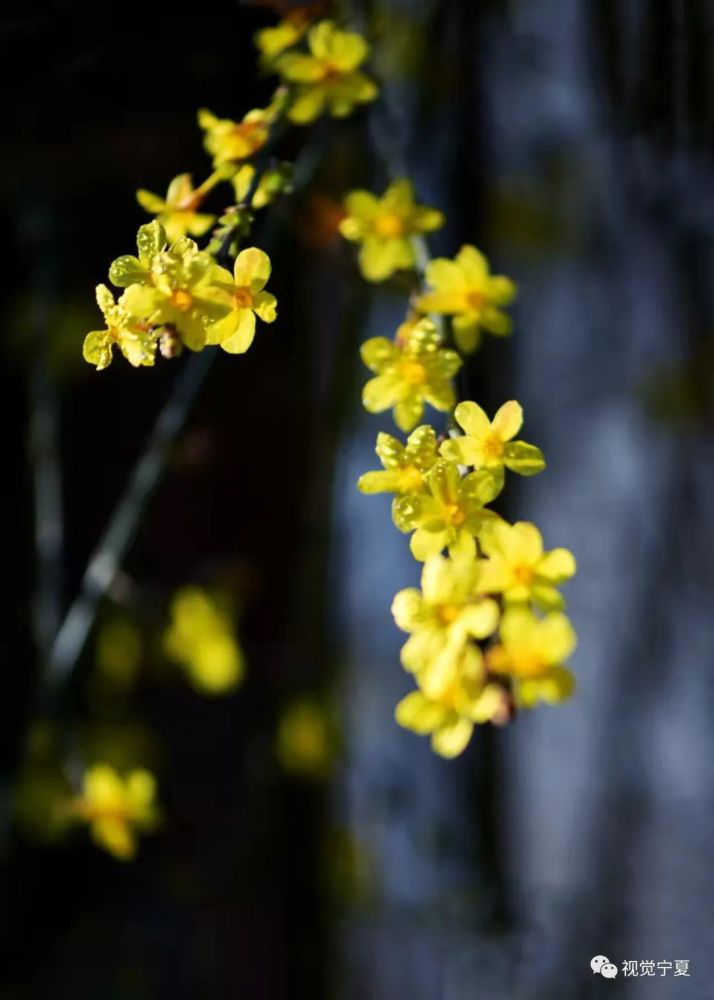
(177, 212)
(117, 808)
(385, 228)
(328, 78)
(404, 465)
(442, 618)
(182, 293)
(465, 289)
(518, 567)
(230, 142)
(202, 639)
(123, 330)
(272, 42)
(410, 372)
(451, 514)
(305, 743)
(450, 717)
(489, 444)
(531, 652)
(245, 291)
(272, 182)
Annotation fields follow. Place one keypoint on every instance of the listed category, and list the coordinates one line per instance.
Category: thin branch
(107, 558)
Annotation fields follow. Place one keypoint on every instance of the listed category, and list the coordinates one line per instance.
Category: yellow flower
(272, 182)
(201, 638)
(177, 212)
(181, 293)
(405, 466)
(385, 227)
(231, 142)
(129, 334)
(244, 289)
(518, 568)
(328, 78)
(442, 618)
(117, 807)
(465, 289)
(531, 652)
(451, 514)
(450, 716)
(488, 444)
(412, 371)
(272, 42)
(304, 743)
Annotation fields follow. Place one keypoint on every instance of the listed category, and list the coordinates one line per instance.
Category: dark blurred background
(572, 141)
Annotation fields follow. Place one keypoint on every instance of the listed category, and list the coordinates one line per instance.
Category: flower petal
(508, 420)
(252, 269)
(452, 738)
(417, 713)
(240, 341)
(472, 419)
(557, 565)
(525, 459)
(378, 352)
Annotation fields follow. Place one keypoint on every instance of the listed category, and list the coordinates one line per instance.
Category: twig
(106, 560)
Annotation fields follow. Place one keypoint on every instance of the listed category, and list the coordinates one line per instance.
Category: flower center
(523, 573)
(476, 300)
(448, 613)
(414, 373)
(243, 298)
(528, 663)
(389, 226)
(181, 299)
(453, 514)
(492, 446)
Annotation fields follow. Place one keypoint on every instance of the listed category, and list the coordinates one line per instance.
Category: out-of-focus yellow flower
(272, 182)
(177, 212)
(518, 567)
(123, 330)
(385, 228)
(304, 741)
(202, 639)
(489, 444)
(531, 652)
(231, 142)
(404, 466)
(244, 290)
(412, 371)
(465, 289)
(451, 716)
(328, 78)
(182, 293)
(442, 618)
(272, 42)
(117, 808)
(452, 513)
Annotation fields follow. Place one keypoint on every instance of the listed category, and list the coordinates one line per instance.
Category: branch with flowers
(487, 630)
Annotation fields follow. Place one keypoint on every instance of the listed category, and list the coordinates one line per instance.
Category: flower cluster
(178, 291)
(178, 295)
(487, 632)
